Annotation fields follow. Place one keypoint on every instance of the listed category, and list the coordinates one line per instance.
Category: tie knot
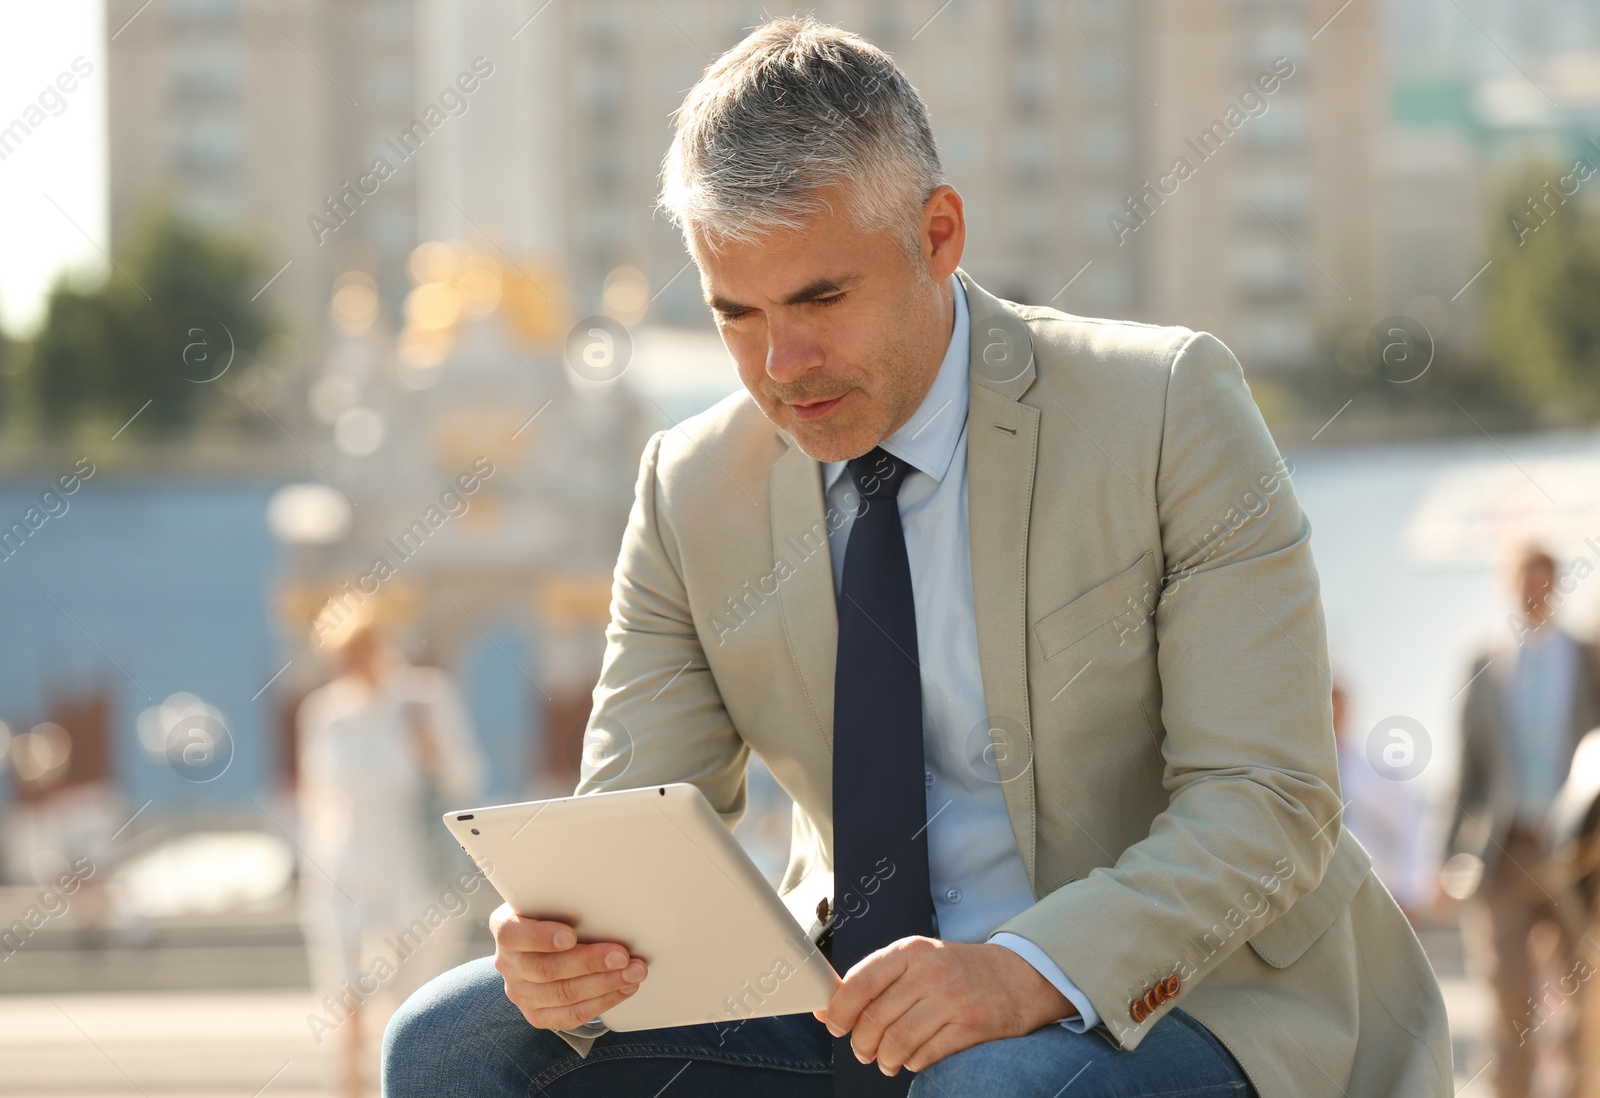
(878, 473)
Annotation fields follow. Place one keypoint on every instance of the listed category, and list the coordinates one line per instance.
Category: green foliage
(1542, 297)
(171, 314)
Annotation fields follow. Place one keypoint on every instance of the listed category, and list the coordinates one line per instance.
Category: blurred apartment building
(1361, 185)
(1477, 92)
(1061, 123)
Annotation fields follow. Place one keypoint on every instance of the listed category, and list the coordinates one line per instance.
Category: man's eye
(834, 300)
(734, 315)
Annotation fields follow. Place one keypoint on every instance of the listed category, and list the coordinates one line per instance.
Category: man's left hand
(918, 1000)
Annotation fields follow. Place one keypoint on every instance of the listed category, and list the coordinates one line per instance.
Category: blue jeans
(459, 1036)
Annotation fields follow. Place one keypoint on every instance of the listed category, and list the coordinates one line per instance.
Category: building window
(1260, 48)
(1030, 84)
(205, 75)
(1098, 77)
(194, 14)
(389, 18)
(1031, 154)
(389, 85)
(1094, 217)
(1269, 268)
(1103, 144)
(205, 148)
(1272, 339)
(1281, 196)
(1282, 127)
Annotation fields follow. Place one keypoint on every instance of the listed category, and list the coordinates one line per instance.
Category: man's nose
(792, 350)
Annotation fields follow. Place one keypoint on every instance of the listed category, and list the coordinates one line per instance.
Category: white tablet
(657, 871)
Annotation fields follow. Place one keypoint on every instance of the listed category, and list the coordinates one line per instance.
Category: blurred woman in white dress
(377, 747)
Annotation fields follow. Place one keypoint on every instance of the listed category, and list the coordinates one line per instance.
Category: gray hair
(799, 105)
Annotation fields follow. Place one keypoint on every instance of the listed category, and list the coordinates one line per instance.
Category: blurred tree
(174, 315)
(1541, 320)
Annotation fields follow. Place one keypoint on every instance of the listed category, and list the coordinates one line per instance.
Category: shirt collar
(927, 441)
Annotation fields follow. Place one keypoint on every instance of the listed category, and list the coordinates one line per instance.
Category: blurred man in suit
(1021, 610)
(1531, 697)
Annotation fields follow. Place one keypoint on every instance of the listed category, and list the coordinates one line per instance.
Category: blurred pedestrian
(378, 745)
(1385, 810)
(1529, 700)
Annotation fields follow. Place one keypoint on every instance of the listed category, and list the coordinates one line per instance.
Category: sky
(54, 215)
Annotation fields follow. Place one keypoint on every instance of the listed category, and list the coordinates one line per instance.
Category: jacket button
(1139, 1011)
(1171, 984)
(1152, 1000)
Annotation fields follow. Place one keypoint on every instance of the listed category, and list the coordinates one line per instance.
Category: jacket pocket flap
(1282, 941)
(1065, 626)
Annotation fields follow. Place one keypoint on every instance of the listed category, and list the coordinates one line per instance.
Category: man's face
(1534, 582)
(835, 332)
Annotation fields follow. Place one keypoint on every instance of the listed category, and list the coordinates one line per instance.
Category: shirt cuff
(1087, 1017)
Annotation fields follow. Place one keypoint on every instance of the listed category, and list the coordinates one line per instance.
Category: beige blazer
(1153, 656)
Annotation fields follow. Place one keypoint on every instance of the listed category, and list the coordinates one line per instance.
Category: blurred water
(1401, 629)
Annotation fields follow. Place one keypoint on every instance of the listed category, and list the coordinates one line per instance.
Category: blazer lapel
(1002, 448)
(806, 598)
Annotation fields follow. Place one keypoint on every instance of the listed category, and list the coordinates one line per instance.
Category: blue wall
(159, 586)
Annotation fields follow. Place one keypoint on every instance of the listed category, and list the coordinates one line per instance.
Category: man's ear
(943, 231)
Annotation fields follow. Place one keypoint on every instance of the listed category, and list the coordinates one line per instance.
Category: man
(1529, 700)
(1020, 609)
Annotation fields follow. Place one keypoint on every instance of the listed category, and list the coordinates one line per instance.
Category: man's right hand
(554, 981)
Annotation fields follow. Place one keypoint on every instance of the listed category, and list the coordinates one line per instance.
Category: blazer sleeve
(658, 716)
(1249, 763)
(1469, 821)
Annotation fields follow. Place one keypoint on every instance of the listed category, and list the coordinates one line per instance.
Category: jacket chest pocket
(1116, 615)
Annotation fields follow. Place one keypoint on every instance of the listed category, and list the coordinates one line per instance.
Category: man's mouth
(815, 408)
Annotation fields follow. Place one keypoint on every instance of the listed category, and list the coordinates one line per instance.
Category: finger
(948, 1041)
(910, 1032)
(543, 994)
(863, 983)
(887, 1009)
(522, 934)
(567, 964)
(576, 1014)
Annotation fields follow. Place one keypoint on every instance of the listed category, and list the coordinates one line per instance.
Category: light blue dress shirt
(1540, 717)
(974, 865)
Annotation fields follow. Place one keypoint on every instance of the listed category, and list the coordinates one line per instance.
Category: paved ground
(160, 1045)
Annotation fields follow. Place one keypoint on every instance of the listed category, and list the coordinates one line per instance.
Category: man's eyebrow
(819, 287)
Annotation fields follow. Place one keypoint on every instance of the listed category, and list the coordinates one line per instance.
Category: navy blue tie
(880, 810)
